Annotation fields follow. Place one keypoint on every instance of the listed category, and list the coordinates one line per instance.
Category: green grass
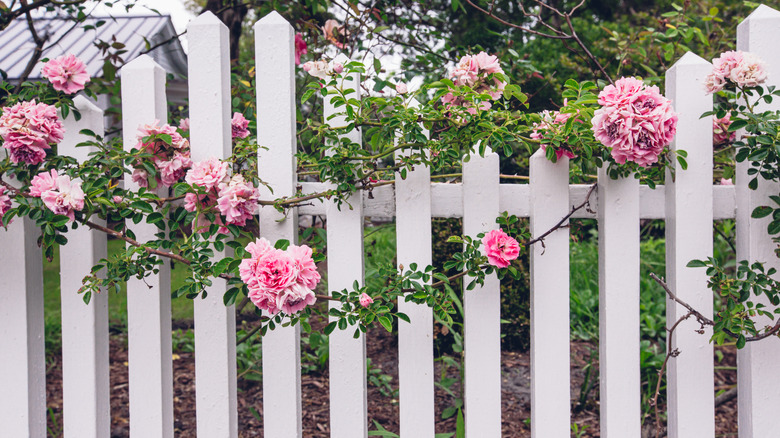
(117, 302)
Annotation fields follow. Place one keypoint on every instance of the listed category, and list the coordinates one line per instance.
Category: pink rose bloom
(267, 277)
(192, 201)
(239, 126)
(208, 173)
(488, 63)
(713, 83)
(117, 199)
(237, 200)
(365, 300)
(42, 182)
(259, 247)
(294, 298)
(66, 198)
(332, 31)
(160, 148)
(184, 124)
(723, 64)
(338, 68)
(66, 73)
(473, 71)
(28, 129)
(140, 177)
(720, 129)
(300, 48)
(622, 93)
(307, 270)
(173, 170)
(749, 72)
(401, 88)
(500, 248)
(5, 202)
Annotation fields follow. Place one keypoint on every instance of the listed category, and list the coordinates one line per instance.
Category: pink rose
(173, 170)
(401, 88)
(500, 248)
(239, 126)
(338, 68)
(720, 129)
(207, 174)
(117, 199)
(184, 124)
(307, 269)
(365, 300)
(42, 182)
(66, 73)
(28, 129)
(5, 202)
(741, 68)
(66, 198)
(473, 71)
(726, 182)
(294, 298)
(237, 200)
(140, 177)
(335, 33)
(300, 48)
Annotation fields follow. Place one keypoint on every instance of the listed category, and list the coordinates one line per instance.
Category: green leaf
(386, 322)
(143, 206)
(762, 211)
(696, 264)
(741, 341)
(282, 244)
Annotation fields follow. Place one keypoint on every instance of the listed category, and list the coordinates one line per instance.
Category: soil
(382, 403)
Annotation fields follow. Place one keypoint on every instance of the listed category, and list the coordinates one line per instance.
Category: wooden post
(690, 386)
(618, 214)
(85, 384)
(550, 373)
(276, 132)
(415, 340)
(148, 300)
(482, 305)
(347, 359)
(210, 136)
(759, 388)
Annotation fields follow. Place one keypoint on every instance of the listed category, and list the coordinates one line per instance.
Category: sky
(180, 16)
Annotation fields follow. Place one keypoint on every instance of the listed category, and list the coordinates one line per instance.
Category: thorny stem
(560, 224)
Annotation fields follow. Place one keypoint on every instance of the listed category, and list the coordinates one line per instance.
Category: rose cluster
(474, 71)
(551, 120)
(234, 197)
(500, 248)
(66, 73)
(741, 68)
(323, 69)
(635, 121)
(59, 193)
(279, 280)
(28, 130)
(170, 158)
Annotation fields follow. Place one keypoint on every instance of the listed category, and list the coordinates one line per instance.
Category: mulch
(382, 403)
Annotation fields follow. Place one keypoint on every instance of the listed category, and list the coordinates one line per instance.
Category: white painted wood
(415, 339)
(347, 360)
(148, 300)
(276, 131)
(482, 305)
(550, 373)
(759, 388)
(690, 376)
(210, 136)
(85, 384)
(22, 368)
(618, 214)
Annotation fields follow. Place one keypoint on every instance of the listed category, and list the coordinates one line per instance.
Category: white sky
(180, 16)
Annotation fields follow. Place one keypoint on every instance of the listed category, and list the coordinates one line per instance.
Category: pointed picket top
(342, 58)
(272, 19)
(141, 63)
(205, 19)
(690, 58)
(85, 105)
(763, 11)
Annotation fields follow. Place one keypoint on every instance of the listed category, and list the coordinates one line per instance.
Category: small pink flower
(365, 300)
(237, 200)
(208, 173)
(300, 48)
(720, 129)
(66, 73)
(140, 177)
(500, 248)
(184, 124)
(42, 182)
(5, 202)
(117, 199)
(239, 126)
(401, 88)
(28, 129)
(335, 33)
(66, 198)
(338, 68)
(173, 170)
(726, 182)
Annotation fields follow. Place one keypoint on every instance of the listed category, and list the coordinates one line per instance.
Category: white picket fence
(689, 204)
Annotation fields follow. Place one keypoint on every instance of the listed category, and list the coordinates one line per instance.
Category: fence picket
(550, 374)
(210, 136)
(85, 384)
(618, 215)
(148, 300)
(690, 376)
(482, 305)
(347, 358)
(415, 340)
(276, 132)
(759, 388)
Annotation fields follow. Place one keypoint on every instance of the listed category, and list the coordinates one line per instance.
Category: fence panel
(482, 305)
(550, 374)
(276, 132)
(618, 215)
(415, 339)
(85, 383)
(148, 300)
(347, 359)
(690, 387)
(210, 136)
(759, 388)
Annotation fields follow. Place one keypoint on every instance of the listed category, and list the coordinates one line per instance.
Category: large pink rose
(307, 269)
(66, 198)
(28, 129)
(42, 182)
(294, 298)
(66, 73)
(237, 200)
(239, 126)
(500, 248)
(208, 173)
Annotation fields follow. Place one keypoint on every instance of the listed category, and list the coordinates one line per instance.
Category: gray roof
(17, 45)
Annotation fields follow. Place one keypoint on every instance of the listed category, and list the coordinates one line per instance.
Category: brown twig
(561, 222)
